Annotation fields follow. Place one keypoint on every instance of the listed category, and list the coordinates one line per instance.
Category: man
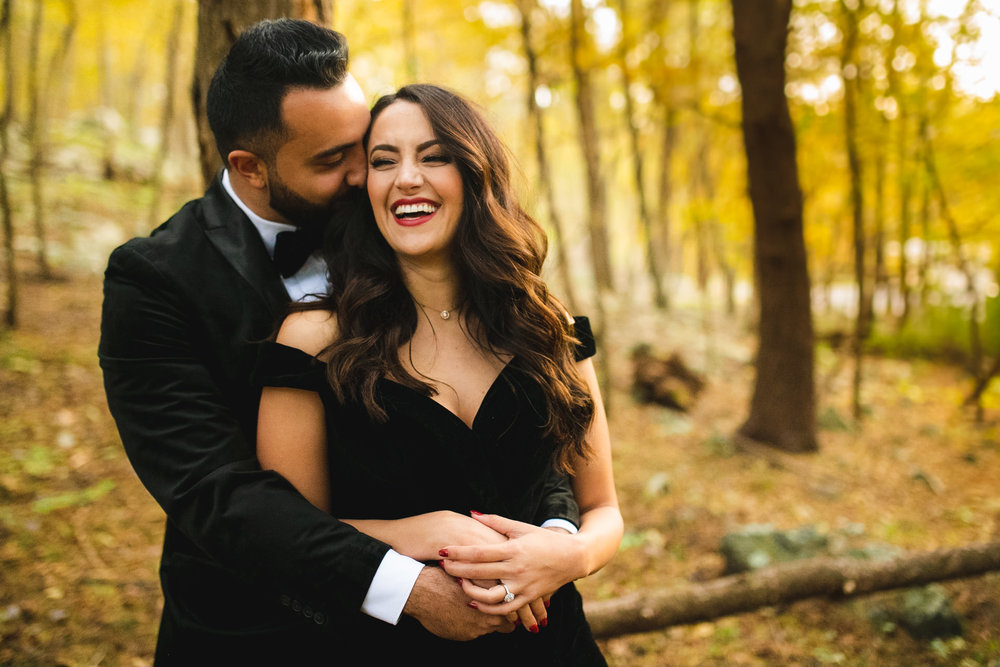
(252, 573)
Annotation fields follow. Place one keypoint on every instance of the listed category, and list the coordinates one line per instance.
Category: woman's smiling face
(414, 186)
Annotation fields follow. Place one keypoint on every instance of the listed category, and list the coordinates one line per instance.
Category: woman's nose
(409, 175)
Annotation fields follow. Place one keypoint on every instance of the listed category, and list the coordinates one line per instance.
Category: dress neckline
(490, 391)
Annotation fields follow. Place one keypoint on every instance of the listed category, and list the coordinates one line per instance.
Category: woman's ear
(250, 168)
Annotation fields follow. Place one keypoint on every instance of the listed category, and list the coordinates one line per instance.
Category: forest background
(625, 117)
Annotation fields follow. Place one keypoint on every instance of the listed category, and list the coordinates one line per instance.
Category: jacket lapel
(235, 237)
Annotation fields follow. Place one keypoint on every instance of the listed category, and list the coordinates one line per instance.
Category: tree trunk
(880, 284)
(851, 74)
(597, 223)
(781, 584)
(137, 78)
(36, 139)
(219, 24)
(544, 173)
(664, 242)
(10, 311)
(638, 172)
(167, 115)
(59, 77)
(317, 11)
(783, 409)
(904, 186)
(975, 337)
(409, 43)
(105, 87)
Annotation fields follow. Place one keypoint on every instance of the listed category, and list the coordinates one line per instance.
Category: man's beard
(296, 209)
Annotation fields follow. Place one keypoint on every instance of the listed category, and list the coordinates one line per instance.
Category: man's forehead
(325, 117)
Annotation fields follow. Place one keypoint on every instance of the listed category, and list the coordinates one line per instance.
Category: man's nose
(357, 169)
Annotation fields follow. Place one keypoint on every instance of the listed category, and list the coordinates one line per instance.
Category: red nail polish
(441, 563)
(472, 604)
(548, 603)
(517, 623)
(443, 553)
(544, 622)
(534, 628)
(475, 513)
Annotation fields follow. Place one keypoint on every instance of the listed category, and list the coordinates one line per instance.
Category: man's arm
(558, 508)
(440, 605)
(188, 448)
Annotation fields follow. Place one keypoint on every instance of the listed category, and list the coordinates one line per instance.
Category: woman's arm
(291, 423)
(423, 536)
(535, 562)
(601, 525)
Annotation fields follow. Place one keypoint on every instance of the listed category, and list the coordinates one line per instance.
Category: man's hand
(534, 562)
(439, 604)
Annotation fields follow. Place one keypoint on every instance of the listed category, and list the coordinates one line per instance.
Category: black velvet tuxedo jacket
(252, 573)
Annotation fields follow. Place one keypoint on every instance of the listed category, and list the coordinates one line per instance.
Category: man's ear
(250, 167)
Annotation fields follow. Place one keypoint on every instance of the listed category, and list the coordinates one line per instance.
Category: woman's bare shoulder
(309, 330)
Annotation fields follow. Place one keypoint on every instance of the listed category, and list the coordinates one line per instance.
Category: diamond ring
(510, 596)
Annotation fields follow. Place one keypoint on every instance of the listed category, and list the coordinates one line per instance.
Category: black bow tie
(292, 249)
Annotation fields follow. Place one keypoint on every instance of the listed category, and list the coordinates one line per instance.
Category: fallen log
(784, 583)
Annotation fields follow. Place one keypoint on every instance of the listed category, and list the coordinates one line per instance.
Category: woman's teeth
(414, 210)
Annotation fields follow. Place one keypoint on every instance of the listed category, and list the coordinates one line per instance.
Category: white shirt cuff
(391, 586)
(560, 523)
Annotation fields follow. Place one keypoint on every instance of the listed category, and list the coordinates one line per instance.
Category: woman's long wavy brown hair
(498, 252)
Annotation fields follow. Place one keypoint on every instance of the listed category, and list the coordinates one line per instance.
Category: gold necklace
(445, 314)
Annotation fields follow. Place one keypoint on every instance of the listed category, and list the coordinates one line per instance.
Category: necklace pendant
(445, 314)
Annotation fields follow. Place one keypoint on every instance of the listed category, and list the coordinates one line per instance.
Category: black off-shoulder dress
(424, 458)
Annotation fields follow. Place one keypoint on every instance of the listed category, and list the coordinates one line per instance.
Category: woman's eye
(379, 162)
(437, 158)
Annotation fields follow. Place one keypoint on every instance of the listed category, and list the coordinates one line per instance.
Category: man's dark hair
(265, 61)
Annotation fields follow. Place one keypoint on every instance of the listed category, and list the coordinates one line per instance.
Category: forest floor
(79, 536)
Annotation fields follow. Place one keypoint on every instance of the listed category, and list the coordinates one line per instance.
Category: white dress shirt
(396, 574)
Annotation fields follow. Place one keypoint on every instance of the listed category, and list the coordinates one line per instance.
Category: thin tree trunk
(697, 196)
(975, 337)
(904, 171)
(597, 223)
(59, 77)
(851, 87)
(663, 93)
(665, 244)
(10, 313)
(36, 139)
(167, 115)
(926, 213)
(638, 172)
(105, 86)
(905, 187)
(781, 584)
(880, 285)
(984, 381)
(219, 24)
(408, 41)
(137, 76)
(317, 11)
(544, 173)
(783, 409)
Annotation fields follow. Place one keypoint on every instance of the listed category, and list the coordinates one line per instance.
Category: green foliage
(74, 498)
(939, 332)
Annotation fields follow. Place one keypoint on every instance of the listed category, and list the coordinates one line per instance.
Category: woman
(453, 382)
